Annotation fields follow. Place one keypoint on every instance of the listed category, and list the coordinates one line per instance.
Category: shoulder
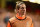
(29, 18)
(12, 19)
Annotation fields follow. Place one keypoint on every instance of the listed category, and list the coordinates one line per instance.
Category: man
(20, 20)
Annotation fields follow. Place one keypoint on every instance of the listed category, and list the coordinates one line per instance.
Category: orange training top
(11, 25)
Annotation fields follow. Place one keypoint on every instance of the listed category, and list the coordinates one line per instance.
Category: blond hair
(18, 3)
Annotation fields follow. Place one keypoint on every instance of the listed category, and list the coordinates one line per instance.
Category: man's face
(22, 9)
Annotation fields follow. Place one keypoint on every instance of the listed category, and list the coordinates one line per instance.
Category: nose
(23, 10)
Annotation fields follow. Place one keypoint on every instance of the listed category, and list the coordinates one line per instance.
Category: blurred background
(7, 10)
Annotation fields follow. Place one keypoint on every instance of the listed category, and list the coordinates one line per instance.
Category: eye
(22, 8)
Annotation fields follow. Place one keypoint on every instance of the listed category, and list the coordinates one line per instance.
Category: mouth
(23, 12)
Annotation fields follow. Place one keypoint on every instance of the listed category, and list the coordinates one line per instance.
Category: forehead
(23, 5)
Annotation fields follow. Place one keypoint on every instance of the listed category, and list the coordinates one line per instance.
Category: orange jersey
(17, 23)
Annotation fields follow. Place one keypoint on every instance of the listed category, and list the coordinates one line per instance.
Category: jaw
(23, 15)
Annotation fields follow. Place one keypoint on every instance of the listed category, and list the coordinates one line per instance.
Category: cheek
(25, 10)
(20, 10)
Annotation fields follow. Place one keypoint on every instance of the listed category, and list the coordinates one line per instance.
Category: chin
(23, 14)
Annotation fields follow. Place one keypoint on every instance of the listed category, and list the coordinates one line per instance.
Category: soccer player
(20, 19)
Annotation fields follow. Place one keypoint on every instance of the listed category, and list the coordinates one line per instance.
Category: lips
(22, 12)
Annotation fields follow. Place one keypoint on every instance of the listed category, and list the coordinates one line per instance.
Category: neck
(19, 16)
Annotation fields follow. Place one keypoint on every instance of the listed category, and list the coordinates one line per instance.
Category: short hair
(18, 3)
